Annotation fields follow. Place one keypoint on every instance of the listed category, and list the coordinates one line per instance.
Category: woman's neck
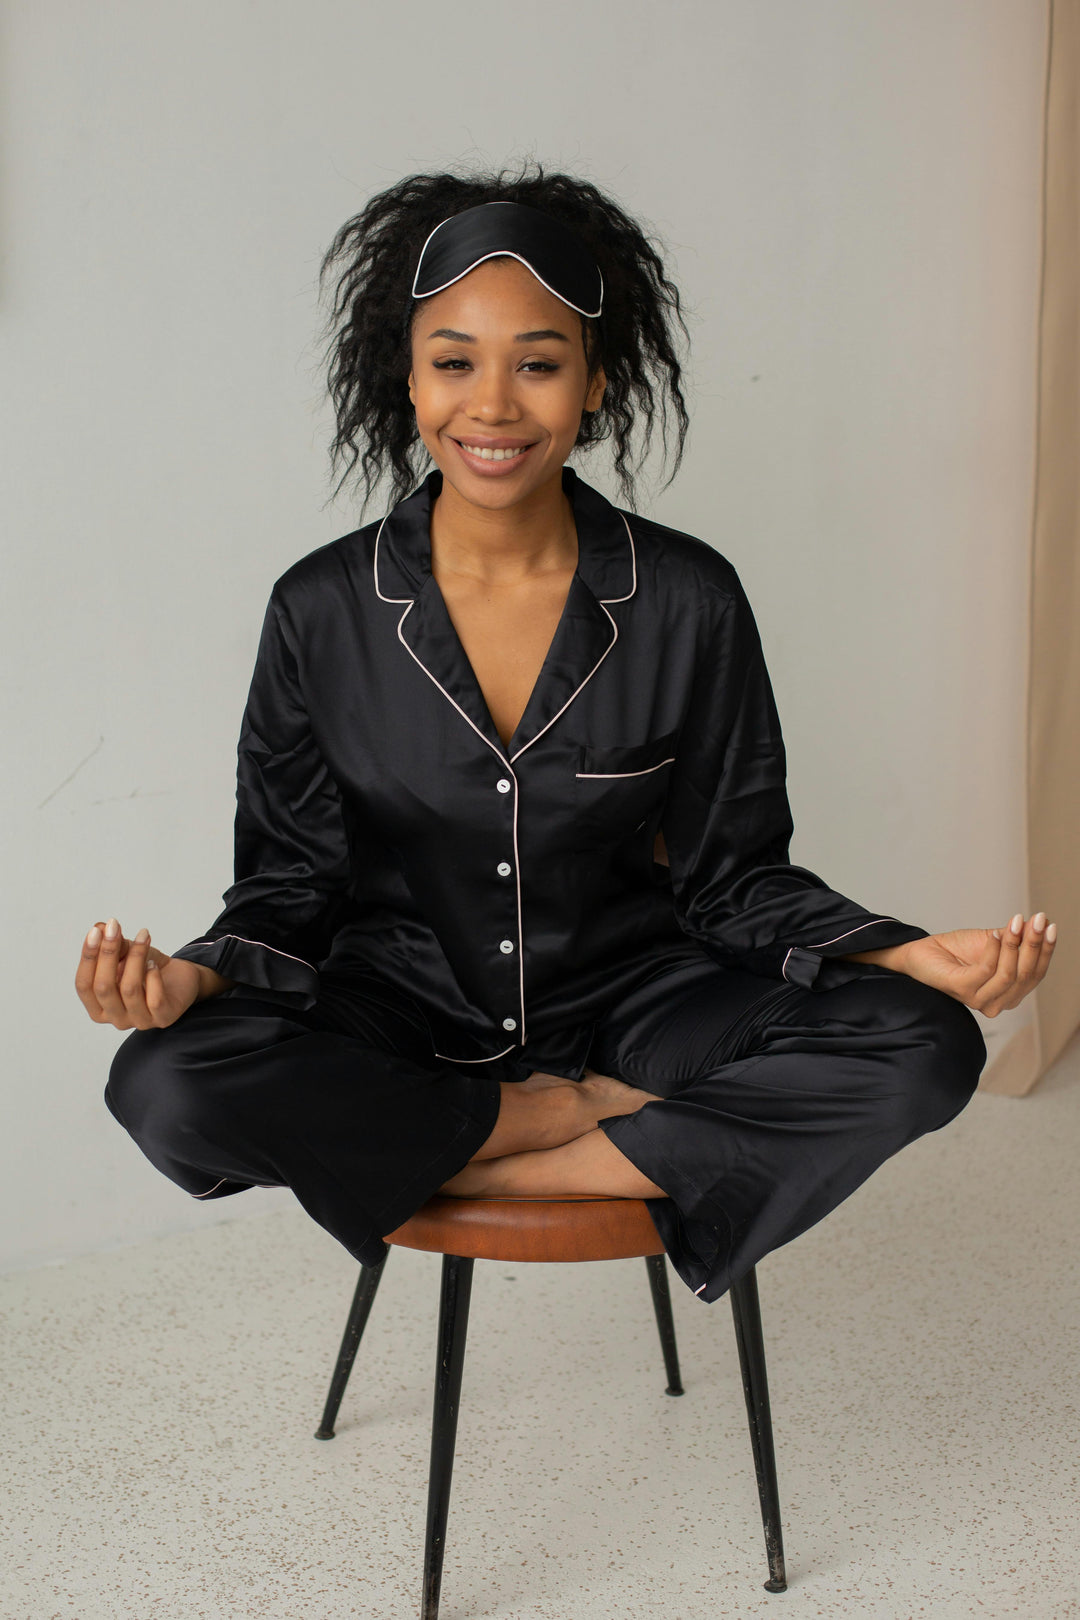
(503, 545)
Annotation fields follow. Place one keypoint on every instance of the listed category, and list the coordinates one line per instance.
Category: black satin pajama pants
(777, 1102)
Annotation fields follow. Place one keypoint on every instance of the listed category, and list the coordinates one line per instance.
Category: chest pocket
(627, 760)
(619, 785)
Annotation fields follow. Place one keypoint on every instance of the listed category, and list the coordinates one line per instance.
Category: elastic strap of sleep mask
(553, 251)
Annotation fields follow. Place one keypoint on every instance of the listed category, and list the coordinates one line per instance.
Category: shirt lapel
(428, 632)
(583, 638)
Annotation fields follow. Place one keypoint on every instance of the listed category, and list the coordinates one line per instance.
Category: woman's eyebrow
(520, 337)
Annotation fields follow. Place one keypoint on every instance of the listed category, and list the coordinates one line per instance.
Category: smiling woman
(475, 375)
(513, 910)
(400, 254)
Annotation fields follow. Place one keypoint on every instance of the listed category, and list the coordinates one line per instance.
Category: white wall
(850, 193)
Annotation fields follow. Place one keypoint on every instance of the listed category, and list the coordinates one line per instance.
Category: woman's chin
(495, 492)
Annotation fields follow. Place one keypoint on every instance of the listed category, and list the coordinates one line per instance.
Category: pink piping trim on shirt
(521, 936)
(214, 1188)
(609, 776)
(502, 761)
(870, 924)
(603, 601)
(499, 756)
(491, 1059)
(873, 923)
(265, 947)
(375, 567)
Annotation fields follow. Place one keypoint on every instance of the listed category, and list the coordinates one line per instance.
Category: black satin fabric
(382, 826)
(552, 250)
(774, 1102)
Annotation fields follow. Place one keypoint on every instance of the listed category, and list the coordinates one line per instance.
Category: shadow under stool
(463, 1230)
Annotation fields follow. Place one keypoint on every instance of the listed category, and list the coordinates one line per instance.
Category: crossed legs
(776, 1102)
(547, 1143)
(773, 1103)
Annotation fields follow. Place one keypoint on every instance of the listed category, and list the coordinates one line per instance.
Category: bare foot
(590, 1165)
(506, 1173)
(609, 1096)
(547, 1111)
(541, 1081)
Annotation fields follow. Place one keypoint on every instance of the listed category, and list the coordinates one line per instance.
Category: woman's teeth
(493, 455)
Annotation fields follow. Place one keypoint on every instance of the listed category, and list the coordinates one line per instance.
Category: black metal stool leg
(453, 1327)
(747, 1313)
(359, 1311)
(661, 1298)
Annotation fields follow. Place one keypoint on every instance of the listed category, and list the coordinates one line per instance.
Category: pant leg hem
(693, 1242)
(455, 1155)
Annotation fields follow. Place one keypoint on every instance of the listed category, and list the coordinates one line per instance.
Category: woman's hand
(988, 969)
(129, 983)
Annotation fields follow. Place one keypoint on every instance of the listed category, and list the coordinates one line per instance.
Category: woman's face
(498, 364)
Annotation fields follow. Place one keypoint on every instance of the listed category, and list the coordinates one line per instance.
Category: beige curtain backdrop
(1053, 706)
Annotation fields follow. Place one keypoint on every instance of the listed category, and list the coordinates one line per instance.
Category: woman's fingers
(1027, 957)
(1025, 952)
(1034, 955)
(106, 984)
(990, 998)
(118, 981)
(84, 973)
(131, 983)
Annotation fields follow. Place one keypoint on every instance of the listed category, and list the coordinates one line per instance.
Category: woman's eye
(528, 365)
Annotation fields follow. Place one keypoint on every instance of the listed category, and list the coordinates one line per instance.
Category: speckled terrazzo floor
(923, 1344)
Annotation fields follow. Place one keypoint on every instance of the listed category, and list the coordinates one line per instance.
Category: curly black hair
(368, 328)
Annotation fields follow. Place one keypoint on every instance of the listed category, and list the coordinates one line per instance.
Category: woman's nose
(492, 398)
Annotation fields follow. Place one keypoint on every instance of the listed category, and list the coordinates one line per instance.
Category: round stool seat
(569, 1228)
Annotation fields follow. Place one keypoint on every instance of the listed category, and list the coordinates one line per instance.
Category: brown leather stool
(521, 1229)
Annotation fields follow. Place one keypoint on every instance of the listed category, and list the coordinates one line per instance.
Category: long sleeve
(727, 825)
(291, 854)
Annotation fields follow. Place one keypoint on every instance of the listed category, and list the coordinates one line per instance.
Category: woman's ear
(412, 396)
(595, 393)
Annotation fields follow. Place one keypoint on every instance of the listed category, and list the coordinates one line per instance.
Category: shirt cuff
(290, 979)
(820, 966)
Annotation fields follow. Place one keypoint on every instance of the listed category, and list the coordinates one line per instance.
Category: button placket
(505, 869)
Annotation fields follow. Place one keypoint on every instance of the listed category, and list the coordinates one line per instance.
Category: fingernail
(112, 928)
(1017, 923)
(996, 933)
(93, 938)
(142, 936)
(1051, 932)
(1038, 922)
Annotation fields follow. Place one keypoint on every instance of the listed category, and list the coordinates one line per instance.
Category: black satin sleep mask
(554, 252)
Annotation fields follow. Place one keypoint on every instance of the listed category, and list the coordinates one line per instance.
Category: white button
(506, 946)
(509, 1023)
(503, 785)
(503, 869)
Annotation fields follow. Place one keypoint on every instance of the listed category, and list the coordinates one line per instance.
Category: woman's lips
(489, 468)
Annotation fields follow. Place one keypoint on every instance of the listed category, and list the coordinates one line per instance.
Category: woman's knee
(941, 1054)
(151, 1091)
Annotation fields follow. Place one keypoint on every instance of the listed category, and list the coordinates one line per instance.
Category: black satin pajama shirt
(419, 911)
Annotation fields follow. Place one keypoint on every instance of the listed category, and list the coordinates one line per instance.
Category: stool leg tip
(776, 1586)
(324, 1434)
(674, 1389)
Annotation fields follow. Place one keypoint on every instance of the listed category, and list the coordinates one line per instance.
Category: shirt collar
(606, 562)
